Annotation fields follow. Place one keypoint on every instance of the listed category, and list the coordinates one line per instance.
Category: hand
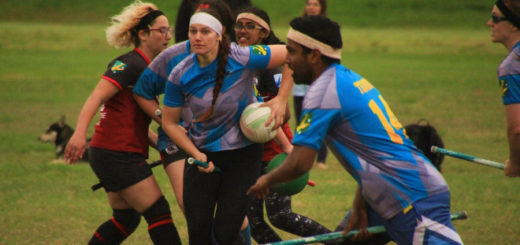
(511, 170)
(358, 220)
(287, 148)
(183, 129)
(75, 148)
(260, 189)
(203, 158)
(277, 106)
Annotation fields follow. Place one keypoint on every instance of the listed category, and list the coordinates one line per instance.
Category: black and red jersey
(122, 125)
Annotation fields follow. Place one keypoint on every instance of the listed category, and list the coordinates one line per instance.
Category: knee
(158, 211)
(128, 218)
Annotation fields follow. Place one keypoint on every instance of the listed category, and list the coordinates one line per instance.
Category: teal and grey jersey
(191, 84)
(152, 83)
(365, 136)
(509, 77)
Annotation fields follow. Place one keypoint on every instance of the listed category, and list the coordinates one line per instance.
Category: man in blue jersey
(398, 185)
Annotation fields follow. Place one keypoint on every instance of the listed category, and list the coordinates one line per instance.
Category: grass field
(446, 74)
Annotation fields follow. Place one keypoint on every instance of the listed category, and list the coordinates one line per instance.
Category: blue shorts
(427, 221)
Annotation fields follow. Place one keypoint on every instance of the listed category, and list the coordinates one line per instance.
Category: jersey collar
(142, 55)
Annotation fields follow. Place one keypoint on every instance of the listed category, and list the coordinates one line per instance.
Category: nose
(489, 22)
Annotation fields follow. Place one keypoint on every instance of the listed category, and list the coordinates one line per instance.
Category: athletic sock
(160, 223)
(117, 229)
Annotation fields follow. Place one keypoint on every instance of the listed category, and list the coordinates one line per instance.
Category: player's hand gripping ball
(287, 188)
(252, 123)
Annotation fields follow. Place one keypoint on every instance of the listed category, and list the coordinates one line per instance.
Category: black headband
(147, 19)
(508, 14)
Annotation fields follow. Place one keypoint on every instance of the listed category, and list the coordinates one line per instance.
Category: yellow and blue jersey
(348, 112)
(192, 85)
(509, 77)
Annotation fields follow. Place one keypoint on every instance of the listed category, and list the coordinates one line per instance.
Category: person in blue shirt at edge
(215, 83)
(505, 24)
(398, 186)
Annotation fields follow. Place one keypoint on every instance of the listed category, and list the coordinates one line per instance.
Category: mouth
(242, 39)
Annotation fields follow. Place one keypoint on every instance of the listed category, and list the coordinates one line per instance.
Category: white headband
(207, 20)
(312, 43)
(256, 19)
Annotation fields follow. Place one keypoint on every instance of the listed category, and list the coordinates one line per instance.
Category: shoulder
(322, 90)
(511, 64)
(182, 67)
(174, 50)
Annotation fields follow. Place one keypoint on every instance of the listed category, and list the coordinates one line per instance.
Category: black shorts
(171, 154)
(117, 170)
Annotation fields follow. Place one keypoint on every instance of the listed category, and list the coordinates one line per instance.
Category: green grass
(430, 59)
(361, 13)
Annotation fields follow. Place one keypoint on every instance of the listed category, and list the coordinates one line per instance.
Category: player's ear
(314, 56)
(143, 34)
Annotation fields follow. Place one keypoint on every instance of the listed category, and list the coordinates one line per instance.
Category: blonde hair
(121, 32)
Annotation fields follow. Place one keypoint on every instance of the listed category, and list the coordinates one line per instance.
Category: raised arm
(278, 103)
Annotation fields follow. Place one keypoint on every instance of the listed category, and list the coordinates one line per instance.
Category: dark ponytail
(222, 56)
(224, 15)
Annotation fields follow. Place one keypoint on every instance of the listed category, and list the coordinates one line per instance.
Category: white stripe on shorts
(420, 229)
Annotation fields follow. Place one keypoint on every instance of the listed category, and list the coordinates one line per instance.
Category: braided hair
(223, 14)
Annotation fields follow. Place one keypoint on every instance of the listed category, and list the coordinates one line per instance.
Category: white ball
(252, 123)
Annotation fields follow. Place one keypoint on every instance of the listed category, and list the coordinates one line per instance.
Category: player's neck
(318, 69)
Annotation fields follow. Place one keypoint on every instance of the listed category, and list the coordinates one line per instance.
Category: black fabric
(280, 215)
(160, 224)
(148, 19)
(118, 170)
(172, 154)
(219, 199)
(126, 69)
(117, 229)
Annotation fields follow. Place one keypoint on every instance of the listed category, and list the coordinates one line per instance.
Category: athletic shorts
(427, 221)
(171, 154)
(117, 170)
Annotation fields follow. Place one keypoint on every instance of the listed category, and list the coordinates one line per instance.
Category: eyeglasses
(248, 27)
(163, 30)
(497, 19)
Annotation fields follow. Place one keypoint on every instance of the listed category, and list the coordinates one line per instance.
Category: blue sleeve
(510, 88)
(149, 85)
(259, 57)
(313, 127)
(173, 96)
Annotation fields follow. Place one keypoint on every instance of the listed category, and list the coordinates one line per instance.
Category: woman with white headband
(253, 27)
(215, 83)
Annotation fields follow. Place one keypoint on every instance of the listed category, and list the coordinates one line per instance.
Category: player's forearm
(170, 125)
(286, 84)
(514, 152)
(359, 202)
(148, 106)
(299, 162)
(86, 114)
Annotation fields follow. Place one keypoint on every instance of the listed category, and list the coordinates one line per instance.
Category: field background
(430, 59)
